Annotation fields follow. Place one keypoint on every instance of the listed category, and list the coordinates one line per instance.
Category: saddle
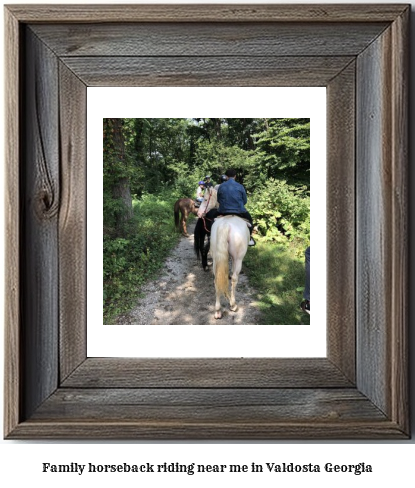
(234, 215)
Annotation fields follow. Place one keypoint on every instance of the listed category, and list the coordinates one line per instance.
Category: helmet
(223, 178)
(206, 177)
(201, 183)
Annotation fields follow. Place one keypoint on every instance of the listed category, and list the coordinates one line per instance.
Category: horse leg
(218, 311)
(176, 215)
(236, 269)
(184, 219)
(205, 252)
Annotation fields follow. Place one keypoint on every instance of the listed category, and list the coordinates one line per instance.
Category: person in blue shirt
(232, 199)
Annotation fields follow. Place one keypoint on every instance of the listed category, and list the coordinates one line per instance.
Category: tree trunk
(217, 123)
(139, 127)
(122, 186)
(122, 191)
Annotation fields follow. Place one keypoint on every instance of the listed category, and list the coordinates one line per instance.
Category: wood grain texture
(209, 405)
(149, 430)
(206, 373)
(207, 399)
(181, 39)
(341, 236)
(254, 430)
(207, 71)
(382, 247)
(400, 261)
(13, 382)
(41, 196)
(72, 222)
(206, 13)
(374, 221)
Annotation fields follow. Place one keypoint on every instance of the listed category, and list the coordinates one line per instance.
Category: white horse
(210, 200)
(229, 237)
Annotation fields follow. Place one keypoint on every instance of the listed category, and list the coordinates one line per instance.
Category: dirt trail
(185, 294)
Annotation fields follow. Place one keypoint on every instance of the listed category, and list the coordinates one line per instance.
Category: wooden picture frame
(360, 53)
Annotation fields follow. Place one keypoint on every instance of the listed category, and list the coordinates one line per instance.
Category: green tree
(283, 151)
(117, 194)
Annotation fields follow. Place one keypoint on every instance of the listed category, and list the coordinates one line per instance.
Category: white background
(20, 462)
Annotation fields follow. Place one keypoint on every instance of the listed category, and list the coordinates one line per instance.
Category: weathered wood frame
(359, 52)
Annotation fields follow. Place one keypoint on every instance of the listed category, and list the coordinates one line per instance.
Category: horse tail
(221, 261)
(199, 237)
(176, 214)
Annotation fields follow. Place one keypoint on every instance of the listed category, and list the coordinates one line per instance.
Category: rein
(204, 214)
(204, 218)
(204, 223)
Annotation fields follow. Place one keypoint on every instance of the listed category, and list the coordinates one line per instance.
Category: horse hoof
(218, 315)
(234, 308)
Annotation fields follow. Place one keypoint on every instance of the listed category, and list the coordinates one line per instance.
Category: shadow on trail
(185, 294)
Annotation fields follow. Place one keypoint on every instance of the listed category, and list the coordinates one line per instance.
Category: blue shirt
(231, 197)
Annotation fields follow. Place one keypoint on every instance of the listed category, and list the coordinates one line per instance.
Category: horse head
(210, 201)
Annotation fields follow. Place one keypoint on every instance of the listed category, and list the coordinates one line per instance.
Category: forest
(150, 163)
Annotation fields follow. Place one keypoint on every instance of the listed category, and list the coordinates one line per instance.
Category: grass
(138, 256)
(278, 274)
(276, 271)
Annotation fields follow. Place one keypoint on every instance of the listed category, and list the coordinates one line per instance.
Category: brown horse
(184, 206)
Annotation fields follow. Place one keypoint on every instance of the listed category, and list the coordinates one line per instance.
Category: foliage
(149, 163)
(278, 274)
(117, 173)
(281, 212)
(215, 158)
(283, 150)
(129, 262)
(184, 185)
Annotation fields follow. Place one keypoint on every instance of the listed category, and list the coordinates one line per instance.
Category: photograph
(76, 199)
(205, 220)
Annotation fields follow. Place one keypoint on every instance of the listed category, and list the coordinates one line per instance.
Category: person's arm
(219, 194)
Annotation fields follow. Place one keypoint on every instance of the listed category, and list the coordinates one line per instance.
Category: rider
(208, 183)
(232, 198)
(200, 191)
(223, 178)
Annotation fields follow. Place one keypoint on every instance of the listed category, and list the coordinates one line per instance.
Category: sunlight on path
(185, 294)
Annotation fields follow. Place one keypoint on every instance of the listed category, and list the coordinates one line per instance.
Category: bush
(277, 273)
(281, 212)
(131, 260)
